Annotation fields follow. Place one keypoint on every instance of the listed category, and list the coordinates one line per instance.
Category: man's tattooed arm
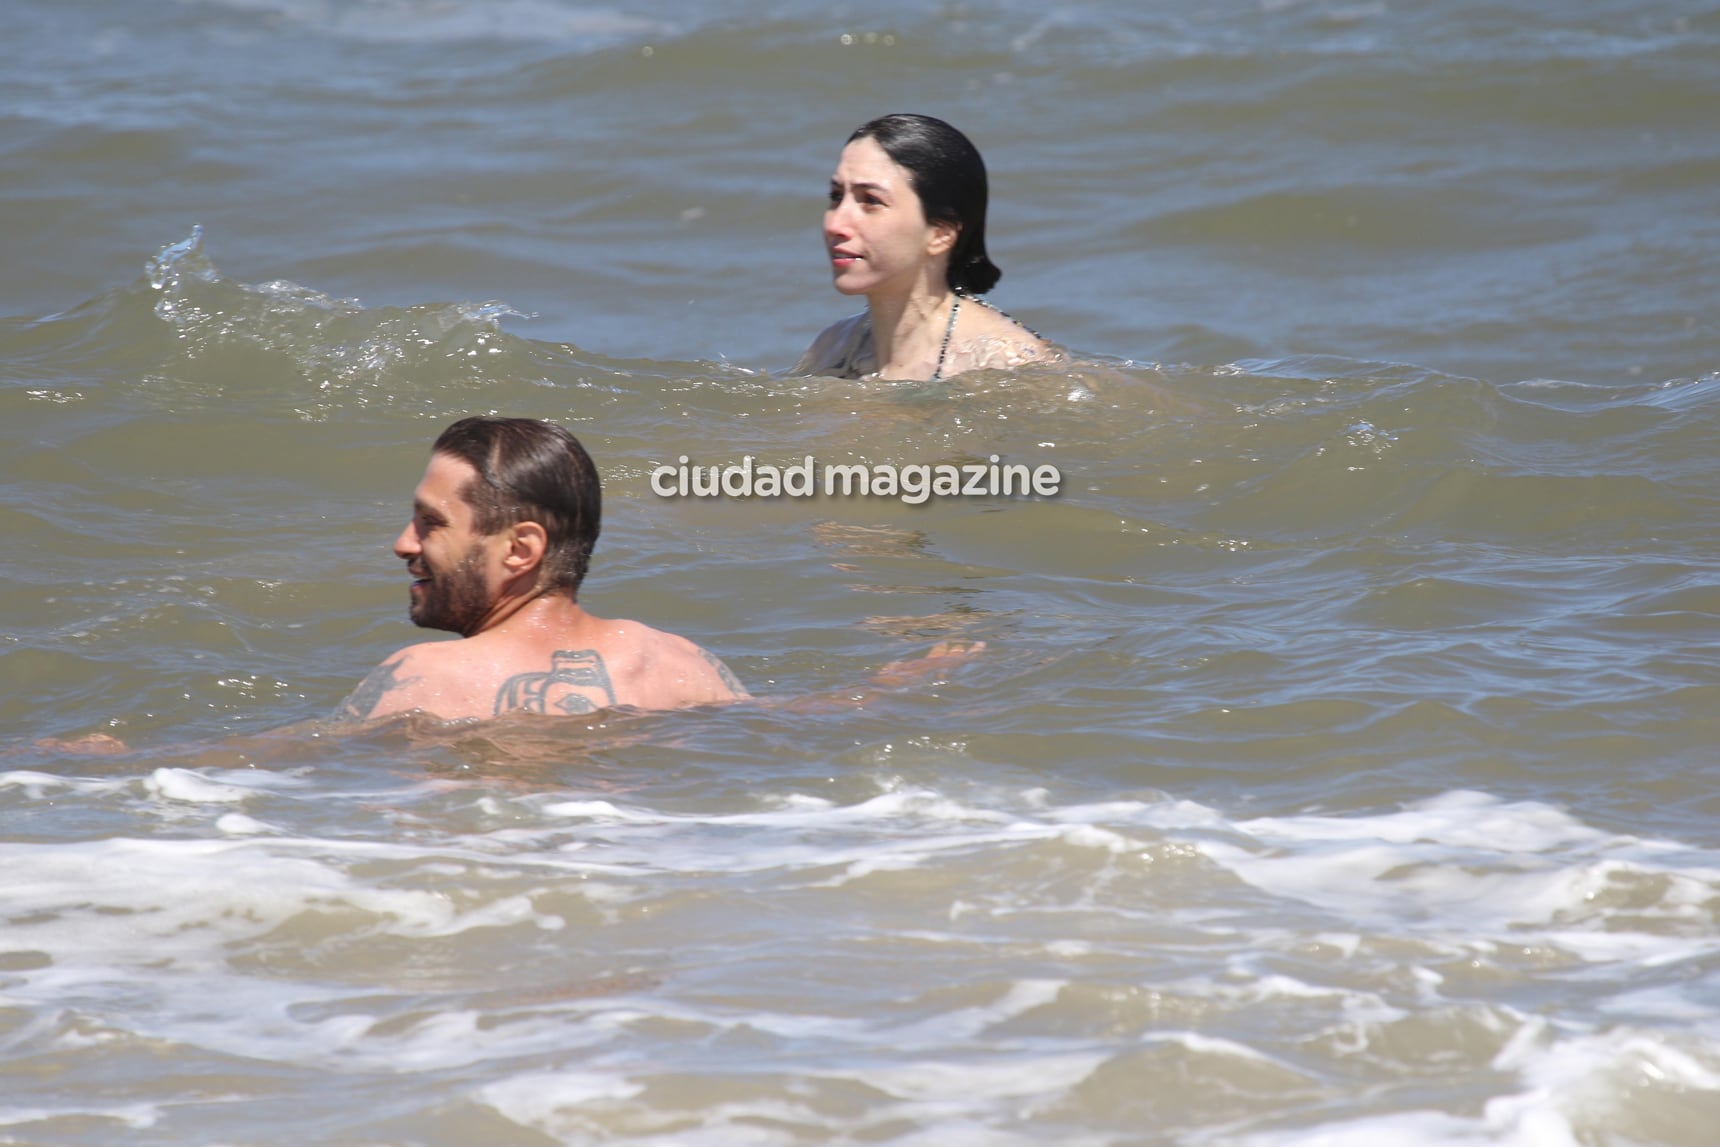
(723, 672)
(577, 681)
(381, 681)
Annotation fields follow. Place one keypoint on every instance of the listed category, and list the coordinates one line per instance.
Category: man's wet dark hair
(531, 471)
(949, 177)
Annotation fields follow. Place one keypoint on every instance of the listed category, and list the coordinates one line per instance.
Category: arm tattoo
(557, 691)
(379, 682)
(728, 678)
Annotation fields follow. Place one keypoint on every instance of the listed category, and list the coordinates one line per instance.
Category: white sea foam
(165, 901)
(1029, 1077)
(1466, 860)
(191, 787)
(136, 1116)
(144, 932)
(238, 824)
(36, 786)
(1574, 1083)
(540, 1099)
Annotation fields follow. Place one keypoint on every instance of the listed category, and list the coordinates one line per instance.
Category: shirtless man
(501, 532)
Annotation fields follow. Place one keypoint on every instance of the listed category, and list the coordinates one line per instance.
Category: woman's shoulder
(841, 350)
(996, 340)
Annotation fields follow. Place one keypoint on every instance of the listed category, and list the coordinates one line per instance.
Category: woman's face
(875, 230)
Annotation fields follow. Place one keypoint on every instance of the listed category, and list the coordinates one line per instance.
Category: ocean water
(1340, 767)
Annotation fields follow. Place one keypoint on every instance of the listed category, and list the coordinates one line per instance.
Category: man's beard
(454, 599)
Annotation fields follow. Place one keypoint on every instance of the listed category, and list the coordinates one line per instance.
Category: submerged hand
(88, 745)
(940, 658)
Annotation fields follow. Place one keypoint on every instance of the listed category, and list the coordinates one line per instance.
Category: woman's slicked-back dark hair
(949, 177)
(531, 471)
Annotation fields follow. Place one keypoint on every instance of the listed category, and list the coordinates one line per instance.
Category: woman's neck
(908, 329)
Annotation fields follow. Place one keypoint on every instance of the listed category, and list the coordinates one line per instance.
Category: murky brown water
(1340, 767)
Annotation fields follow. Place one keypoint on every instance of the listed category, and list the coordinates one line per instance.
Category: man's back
(553, 658)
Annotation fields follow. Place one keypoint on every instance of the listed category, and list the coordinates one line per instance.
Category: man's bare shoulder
(662, 670)
(404, 681)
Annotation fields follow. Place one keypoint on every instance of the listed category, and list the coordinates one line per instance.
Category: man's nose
(406, 545)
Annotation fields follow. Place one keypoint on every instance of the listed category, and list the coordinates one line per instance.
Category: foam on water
(1492, 865)
(345, 354)
(138, 935)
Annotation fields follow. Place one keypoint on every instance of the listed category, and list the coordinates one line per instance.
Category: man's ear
(527, 542)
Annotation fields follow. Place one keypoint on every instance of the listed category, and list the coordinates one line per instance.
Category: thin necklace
(938, 373)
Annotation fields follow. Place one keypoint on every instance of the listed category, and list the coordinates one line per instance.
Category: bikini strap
(995, 309)
(950, 329)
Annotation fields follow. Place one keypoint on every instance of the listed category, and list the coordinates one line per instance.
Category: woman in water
(906, 228)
